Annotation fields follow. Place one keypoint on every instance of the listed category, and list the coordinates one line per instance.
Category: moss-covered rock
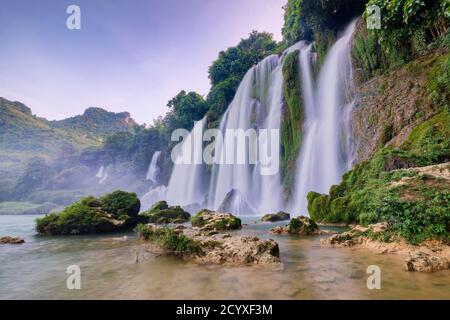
(318, 206)
(113, 212)
(394, 185)
(161, 212)
(279, 216)
(299, 226)
(216, 248)
(210, 220)
(170, 239)
(293, 118)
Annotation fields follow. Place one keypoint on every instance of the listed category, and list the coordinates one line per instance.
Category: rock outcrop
(161, 212)
(274, 217)
(113, 212)
(428, 257)
(209, 220)
(200, 246)
(11, 240)
(423, 262)
(236, 250)
(299, 226)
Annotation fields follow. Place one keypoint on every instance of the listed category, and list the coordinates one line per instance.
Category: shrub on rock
(299, 226)
(113, 212)
(161, 212)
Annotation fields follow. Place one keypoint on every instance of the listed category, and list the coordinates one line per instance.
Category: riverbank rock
(274, 217)
(161, 212)
(197, 245)
(299, 226)
(345, 239)
(430, 256)
(116, 211)
(11, 240)
(216, 221)
(423, 262)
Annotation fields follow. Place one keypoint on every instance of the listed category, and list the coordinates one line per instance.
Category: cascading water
(324, 156)
(326, 150)
(153, 169)
(186, 185)
(257, 105)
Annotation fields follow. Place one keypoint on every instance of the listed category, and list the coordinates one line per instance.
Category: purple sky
(131, 55)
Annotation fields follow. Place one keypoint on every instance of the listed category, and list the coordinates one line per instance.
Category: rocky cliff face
(389, 106)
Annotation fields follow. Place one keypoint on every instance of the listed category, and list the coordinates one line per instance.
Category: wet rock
(423, 262)
(345, 239)
(161, 212)
(204, 248)
(235, 202)
(280, 216)
(209, 220)
(299, 226)
(11, 240)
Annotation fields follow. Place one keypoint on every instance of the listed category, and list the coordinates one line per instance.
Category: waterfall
(326, 149)
(186, 184)
(153, 169)
(240, 187)
(258, 104)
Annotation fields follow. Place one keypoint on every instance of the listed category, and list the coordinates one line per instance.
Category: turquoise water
(37, 270)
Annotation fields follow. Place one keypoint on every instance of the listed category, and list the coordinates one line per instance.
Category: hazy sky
(131, 55)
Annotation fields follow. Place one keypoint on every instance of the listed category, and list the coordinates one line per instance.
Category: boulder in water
(194, 245)
(274, 217)
(236, 203)
(161, 212)
(423, 262)
(215, 221)
(299, 226)
(113, 212)
(11, 240)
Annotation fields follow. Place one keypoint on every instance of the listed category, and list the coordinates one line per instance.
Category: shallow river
(37, 270)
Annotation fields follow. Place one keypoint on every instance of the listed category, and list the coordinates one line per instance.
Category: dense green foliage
(409, 28)
(318, 20)
(185, 108)
(292, 120)
(112, 212)
(417, 209)
(229, 68)
(169, 240)
(121, 204)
